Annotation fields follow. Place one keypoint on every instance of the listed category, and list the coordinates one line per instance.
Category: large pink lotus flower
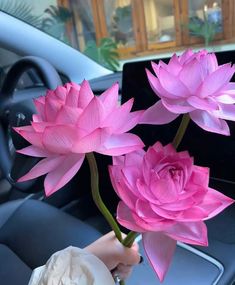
(193, 83)
(71, 122)
(166, 198)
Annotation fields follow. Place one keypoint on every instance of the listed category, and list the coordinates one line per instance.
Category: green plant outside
(205, 29)
(105, 53)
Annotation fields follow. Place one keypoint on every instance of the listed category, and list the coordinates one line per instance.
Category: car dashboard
(191, 265)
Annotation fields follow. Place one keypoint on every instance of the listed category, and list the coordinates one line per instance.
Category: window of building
(130, 27)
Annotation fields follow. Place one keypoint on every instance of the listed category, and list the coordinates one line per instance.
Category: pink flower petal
(199, 176)
(125, 218)
(210, 123)
(59, 93)
(177, 206)
(188, 54)
(89, 143)
(152, 226)
(144, 211)
(42, 167)
(159, 249)
(52, 107)
(109, 98)
(152, 158)
(226, 112)
(212, 63)
(193, 214)
(30, 135)
(214, 203)
(225, 98)
(164, 190)
(37, 118)
(230, 88)
(177, 106)
(59, 139)
(174, 67)
(63, 173)
(92, 115)
(121, 188)
(85, 95)
(23, 128)
(73, 85)
(131, 174)
(170, 150)
(157, 87)
(132, 119)
(68, 115)
(39, 127)
(189, 232)
(157, 114)
(122, 113)
(34, 151)
(216, 80)
(156, 67)
(166, 214)
(134, 158)
(73, 95)
(120, 144)
(158, 147)
(203, 103)
(118, 160)
(144, 191)
(191, 76)
(40, 107)
(172, 84)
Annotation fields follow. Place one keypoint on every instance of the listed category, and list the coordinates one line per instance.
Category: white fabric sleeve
(72, 266)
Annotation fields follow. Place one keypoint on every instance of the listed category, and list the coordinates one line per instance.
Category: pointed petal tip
(84, 81)
(21, 179)
(25, 178)
(160, 256)
(116, 84)
(157, 114)
(16, 129)
(150, 75)
(209, 122)
(85, 84)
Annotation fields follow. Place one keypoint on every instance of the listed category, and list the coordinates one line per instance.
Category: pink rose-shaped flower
(166, 198)
(193, 83)
(71, 122)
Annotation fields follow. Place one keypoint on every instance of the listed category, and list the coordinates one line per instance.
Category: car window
(71, 23)
(112, 32)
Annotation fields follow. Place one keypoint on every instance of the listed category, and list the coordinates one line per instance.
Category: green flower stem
(97, 198)
(129, 239)
(181, 131)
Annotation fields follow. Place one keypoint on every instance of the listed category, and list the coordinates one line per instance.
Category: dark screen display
(208, 149)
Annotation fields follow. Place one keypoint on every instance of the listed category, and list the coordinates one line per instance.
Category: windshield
(114, 31)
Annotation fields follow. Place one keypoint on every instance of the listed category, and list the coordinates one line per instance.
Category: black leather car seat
(30, 232)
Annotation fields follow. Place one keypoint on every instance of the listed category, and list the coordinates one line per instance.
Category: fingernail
(141, 259)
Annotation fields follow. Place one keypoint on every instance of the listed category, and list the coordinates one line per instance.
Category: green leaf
(55, 23)
(21, 10)
(105, 53)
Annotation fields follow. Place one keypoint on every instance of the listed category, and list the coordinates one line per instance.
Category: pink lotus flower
(71, 122)
(166, 198)
(193, 83)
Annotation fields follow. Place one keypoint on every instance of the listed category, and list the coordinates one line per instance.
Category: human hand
(114, 255)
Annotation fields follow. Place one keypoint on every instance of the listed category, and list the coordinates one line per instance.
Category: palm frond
(105, 53)
(22, 11)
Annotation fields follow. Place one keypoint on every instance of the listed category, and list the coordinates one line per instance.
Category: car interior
(33, 226)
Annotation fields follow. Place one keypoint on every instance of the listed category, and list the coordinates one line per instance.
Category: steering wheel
(18, 111)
